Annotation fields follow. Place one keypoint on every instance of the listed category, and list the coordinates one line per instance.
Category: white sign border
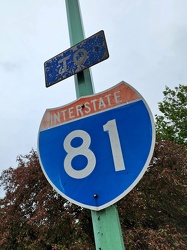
(146, 165)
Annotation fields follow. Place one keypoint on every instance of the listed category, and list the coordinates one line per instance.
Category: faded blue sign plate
(77, 58)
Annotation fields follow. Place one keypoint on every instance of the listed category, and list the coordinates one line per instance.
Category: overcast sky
(147, 42)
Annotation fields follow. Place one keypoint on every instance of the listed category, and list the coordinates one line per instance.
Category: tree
(34, 216)
(153, 215)
(172, 125)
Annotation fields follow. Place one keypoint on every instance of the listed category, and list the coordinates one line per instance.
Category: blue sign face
(94, 151)
(79, 57)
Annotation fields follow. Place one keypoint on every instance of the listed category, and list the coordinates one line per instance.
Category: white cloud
(147, 47)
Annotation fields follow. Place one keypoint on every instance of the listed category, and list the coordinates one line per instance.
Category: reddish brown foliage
(153, 215)
(33, 215)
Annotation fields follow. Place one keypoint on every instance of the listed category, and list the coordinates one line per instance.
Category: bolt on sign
(94, 150)
(79, 57)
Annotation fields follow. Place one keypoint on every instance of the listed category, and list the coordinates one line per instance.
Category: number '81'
(84, 150)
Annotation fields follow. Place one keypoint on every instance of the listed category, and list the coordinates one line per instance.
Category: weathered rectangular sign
(77, 58)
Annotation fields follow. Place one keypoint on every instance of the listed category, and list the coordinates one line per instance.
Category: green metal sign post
(106, 225)
(83, 80)
(107, 229)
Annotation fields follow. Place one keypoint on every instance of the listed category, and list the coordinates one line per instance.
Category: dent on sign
(95, 144)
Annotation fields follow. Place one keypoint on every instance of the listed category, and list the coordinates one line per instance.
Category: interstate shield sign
(94, 150)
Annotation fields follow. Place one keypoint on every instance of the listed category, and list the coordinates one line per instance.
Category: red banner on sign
(89, 105)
